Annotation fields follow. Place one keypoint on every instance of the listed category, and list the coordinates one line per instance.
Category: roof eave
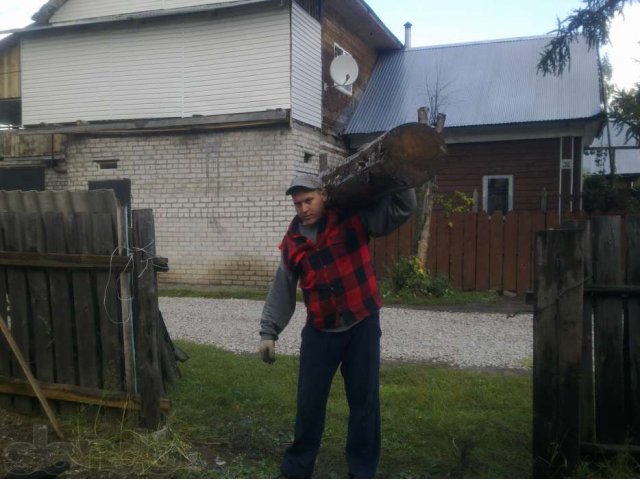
(395, 43)
(43, 16)
(583, 127)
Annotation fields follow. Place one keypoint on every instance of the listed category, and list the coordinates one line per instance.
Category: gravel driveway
(465, 339)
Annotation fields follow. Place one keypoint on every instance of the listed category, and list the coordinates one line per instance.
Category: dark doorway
(23, 178)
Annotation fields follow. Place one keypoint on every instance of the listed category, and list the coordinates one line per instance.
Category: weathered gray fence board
(146, 318)
(5, 352)
(608, 332)
(65, 312)
(61, 304)
(633, 311)
(586, 406)
(18, 303)
(557, 330)
(110, 323)
(39, 302)
(87, 332)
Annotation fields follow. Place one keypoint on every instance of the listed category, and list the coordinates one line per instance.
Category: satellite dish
(343, 70)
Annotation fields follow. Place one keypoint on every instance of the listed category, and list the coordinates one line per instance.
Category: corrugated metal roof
(627, 161)
(81, 201)
(485, 83)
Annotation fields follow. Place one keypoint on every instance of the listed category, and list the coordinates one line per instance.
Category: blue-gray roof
(483, 83)
(627, 161)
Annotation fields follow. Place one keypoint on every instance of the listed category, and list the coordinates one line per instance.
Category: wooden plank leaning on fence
(633, 308)
(146, 318)
(557, 338)
(608, 330)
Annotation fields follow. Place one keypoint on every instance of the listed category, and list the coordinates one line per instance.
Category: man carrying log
(326, 250)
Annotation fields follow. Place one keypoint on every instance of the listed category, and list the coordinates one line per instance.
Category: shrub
(408, 277)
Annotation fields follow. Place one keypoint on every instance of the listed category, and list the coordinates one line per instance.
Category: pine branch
(591, 22)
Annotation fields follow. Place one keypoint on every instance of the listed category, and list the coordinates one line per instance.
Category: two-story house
(201, 109)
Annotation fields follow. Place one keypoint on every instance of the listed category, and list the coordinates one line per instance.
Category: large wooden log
(404, 157)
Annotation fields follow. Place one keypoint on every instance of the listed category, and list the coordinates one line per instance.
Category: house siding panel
(306, 81)
(166, 69)
(533, 164)
(76, 10)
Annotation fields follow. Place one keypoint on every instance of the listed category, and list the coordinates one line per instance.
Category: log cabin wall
(339, 26)
(534, 165)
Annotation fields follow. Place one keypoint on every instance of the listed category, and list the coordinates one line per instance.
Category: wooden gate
(586, 370)
(90, 330)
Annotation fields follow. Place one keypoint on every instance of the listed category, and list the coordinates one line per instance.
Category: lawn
(233, 417)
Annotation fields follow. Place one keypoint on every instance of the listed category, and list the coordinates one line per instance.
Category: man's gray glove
(267, 350)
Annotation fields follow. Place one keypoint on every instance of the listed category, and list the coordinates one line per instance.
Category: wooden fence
(475, 251)
(68, 290)
(586, 373)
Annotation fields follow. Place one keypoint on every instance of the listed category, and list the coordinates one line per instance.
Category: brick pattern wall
(218, 198)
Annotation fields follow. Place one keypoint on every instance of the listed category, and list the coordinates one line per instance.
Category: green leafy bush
(408, 277)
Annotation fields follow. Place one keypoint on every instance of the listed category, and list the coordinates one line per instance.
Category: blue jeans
(357, 351)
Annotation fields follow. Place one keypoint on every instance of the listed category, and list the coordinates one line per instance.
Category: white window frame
(485, 191)
(338, 50)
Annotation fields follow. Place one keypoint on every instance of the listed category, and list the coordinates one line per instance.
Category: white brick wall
(218, 198)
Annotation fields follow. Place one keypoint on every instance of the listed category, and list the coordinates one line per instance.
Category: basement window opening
(107, 164)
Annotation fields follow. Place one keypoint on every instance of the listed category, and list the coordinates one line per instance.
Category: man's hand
(267, 350)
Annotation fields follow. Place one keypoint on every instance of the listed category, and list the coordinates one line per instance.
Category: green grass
(233, 416)
(436, 421)
(455, 298)
(213, 292)
(389, 298)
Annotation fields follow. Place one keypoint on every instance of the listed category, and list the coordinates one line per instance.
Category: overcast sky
(437, 22)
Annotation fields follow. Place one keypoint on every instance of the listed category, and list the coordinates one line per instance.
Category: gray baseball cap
(309, 181)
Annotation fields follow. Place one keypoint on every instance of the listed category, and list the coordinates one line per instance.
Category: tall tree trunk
(427, 210)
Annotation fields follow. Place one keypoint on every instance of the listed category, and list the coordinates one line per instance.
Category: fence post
(587, 402)
(146, 315)
(557, 339)
(633, 306)
(543, 200)
(608, 331)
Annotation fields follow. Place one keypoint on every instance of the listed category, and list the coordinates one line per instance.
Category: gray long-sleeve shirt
(380, 219)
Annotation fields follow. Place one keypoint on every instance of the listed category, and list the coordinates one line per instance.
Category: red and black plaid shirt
(336, 275)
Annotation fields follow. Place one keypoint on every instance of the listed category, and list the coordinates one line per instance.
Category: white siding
(306, 74)
(74, 10)
(188, 67)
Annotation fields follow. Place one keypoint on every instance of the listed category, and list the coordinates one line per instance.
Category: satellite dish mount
(343, 70)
